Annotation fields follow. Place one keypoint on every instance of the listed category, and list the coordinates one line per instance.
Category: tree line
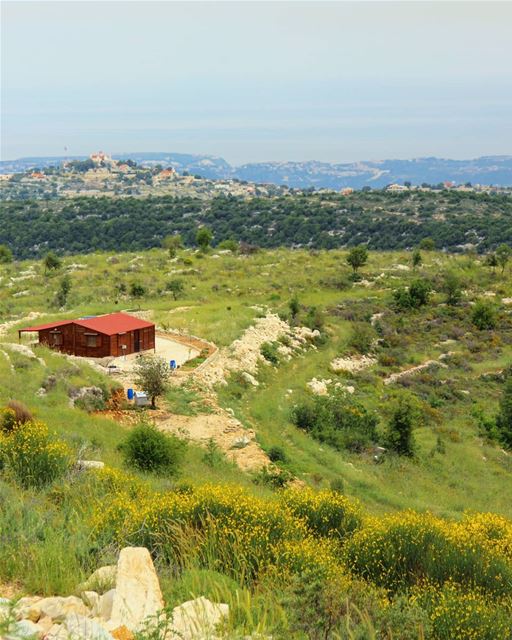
(323, 221)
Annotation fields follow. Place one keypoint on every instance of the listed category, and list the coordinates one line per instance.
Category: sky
(257, 81)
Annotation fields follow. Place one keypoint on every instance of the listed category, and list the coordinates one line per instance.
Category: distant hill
(495, 170)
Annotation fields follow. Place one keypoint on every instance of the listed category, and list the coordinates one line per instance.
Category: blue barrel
(129, 393)
(173, 364)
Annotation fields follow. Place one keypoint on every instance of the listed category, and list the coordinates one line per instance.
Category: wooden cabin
(115, 334)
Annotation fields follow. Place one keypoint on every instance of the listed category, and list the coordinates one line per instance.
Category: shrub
(269, 351)
(326, 513)
(338, 420)
(14, 414)
(277, 454)
(416, 296)
(272, 476)
(406, 549)
(504, 417)
(483, 315)
(452, 287)
(465, 615)
(137, 290)
(399, 435)
(148, 449)
(362, 337)
(32, 456)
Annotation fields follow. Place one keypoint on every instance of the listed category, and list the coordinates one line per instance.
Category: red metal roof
(108, 325)
(114, 323)
(49, 325)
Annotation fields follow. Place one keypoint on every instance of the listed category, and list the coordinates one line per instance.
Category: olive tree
(152, 376)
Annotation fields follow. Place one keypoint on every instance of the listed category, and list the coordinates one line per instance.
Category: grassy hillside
(456, 466)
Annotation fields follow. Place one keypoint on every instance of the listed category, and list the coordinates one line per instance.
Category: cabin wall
(79, 341)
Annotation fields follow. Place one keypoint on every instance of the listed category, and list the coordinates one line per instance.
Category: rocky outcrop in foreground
(113, 604)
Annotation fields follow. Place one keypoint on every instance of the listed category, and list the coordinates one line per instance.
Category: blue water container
(129, 393)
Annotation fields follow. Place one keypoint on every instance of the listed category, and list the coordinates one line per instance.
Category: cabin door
(136, 340)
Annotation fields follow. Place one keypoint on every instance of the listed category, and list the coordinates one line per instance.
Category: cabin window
(56, 338)
(91, 340)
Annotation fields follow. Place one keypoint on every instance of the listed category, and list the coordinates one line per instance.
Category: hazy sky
(254, 81)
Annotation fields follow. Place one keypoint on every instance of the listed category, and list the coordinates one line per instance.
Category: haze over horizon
(249, 82)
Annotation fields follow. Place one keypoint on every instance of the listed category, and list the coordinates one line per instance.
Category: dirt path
(237, 443)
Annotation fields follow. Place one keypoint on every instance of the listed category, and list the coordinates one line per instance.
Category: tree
(452, 288)
(5, 254)
(427, 244)
(172, 244)
(152, 376)
(176, 287)
(63, 292)
(504, 417)
(503, 254)
(51, 262)
(483, 315)
(400, 428)
(357, 257)
(416, 258)
(491, 260)
(203, 238)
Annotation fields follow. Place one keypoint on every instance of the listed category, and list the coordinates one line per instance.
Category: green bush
(362, 337)
(416, 296)
(148, 449)
(269, 351)
(338, 420)
(400, 430)
(484, 315)
(277, 454)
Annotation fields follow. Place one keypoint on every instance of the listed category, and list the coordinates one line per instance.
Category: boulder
(57, 632)
(82, 628)
(105, 604)
(137, 594)
(23, 608)
(57, 608)
(84, 465)
(91, 599)
(101, 580)
(197, 619)
(24, 629)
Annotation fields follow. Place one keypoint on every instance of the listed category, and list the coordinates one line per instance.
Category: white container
(140, 398)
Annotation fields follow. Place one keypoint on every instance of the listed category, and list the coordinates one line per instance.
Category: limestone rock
(22, 609)
(58, 608)
(84, 465)
(105, 604)
(24, 629)
(92, 600)
(197, 619)
(137, 594)
(101, 580)
(57, 632)
(82, 628)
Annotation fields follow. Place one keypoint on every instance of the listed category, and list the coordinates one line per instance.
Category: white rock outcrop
(137, 593)
(197, 619)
